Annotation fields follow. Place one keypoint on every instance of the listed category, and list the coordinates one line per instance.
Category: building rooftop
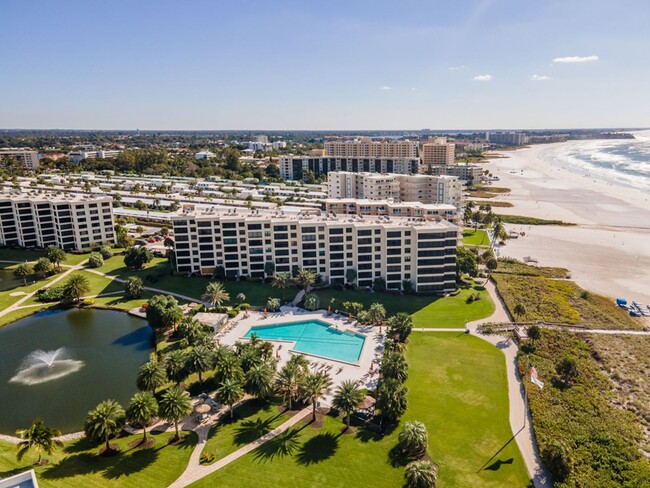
(53, 197)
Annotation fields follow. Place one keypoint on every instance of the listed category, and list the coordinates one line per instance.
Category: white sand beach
(608, 252)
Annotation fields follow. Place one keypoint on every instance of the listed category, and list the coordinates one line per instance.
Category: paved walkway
(520, 418)
(195, 471)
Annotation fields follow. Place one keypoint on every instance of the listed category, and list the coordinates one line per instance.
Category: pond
(59, 364)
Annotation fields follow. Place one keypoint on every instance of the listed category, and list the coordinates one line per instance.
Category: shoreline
(607, 251)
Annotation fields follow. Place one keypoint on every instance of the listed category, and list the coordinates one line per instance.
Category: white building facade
(27, 157)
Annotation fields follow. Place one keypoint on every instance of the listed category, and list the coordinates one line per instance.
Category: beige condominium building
(465, 172)
(429, 211)
(296, 167)
(73, 223)
(365, 147)
(241, 242)
(438, 151)
(426, 189)
(28, 157)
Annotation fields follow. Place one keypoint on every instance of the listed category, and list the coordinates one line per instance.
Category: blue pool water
(314, 337)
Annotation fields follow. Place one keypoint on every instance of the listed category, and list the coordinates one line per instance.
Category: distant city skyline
(336, 65)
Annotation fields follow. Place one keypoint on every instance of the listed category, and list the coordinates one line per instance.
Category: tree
(137, 257)
(23, 271)
(123, 239)
(379, 285)
(273, 304)
(95, 260)
(133, 287)
(56, 256)
(394, 365)
(354, 308)
(351, 275)
(200, 360)
(413, 439)
(519, 310)
(164, 231)
(141, 410)
(259, 381)
(106, 252)
(567, 368)
(312, 302)
(391, 400)
(401, 326)
(491, 264)
(39, 437)
(230, 392)
(376, 313)
(300, 363)
(286, 382)
(282, 281)
(305, 278)
(169, 242)
(162, 310)
(192, 330)
(215, 294)
(347, 398)
(75, 287)
(466, 262)
(175, 366)
(534, 333)
(104, 421)
(468, 212)
(43, 266)
(151, 376)
(420, 474)
(174, 405)
(499, 230)
(269, 268)
(313, 387)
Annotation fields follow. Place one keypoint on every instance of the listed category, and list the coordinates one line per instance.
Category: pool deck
(338, 370)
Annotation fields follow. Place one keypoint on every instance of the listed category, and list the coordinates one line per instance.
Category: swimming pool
(314, 337)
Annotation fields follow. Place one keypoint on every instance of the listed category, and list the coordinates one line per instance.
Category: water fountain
(41, 366)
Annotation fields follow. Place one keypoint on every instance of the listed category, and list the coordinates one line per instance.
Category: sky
(315, 64)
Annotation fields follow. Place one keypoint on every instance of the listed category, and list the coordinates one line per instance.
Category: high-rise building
(506, 138)
(438, 151)
(295, 167)
(240, 243)
(366, 147)
(32, 219)
(28, 157)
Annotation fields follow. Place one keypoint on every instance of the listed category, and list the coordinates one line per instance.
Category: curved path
(520, 418)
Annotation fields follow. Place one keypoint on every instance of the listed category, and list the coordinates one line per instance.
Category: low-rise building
(35, 219)
(296, 167)
(28, 157)
(78, 156)
(240, 242)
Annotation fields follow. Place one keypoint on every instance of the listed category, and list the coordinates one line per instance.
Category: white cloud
(386, 88)
(540, 78)
(575, 59)
(457, 68)
(483, 78)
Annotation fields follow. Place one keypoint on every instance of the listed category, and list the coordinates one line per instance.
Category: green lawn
(393, 303)
(304, 456)
(79, 465)
(251, 421)
(473, 237)
(454, 311)
(458, 388)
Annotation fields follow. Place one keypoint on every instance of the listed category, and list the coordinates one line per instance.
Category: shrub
(95, 260)
(87, 302)
(54, 294)
(312, 302)
(206, 458)
(244, 305)
(232, 313)
(133, 287)
(379, 285)
(106, 252)
(407, 287)
(273, 304)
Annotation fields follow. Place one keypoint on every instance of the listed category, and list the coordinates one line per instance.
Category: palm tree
(392, 401)
(347, 398)
(175, 366)
(230, 392)
(151, 376)
(376, 313)
(499, 230)
(141, 410)
(401, 325)
(519, 310)
(43, 266)
(259, 381)
(421, 474)
(228, 367)
(200, 360)
(174, 405)
(75, 287)
(56, 256)
(286, 382)
(313, 387)
(40, 437)
(215, 294)
(23, 271)
(414, 439)
(300, 362)
(305, 278)
(282, 281)
(394, 365)
(104, 421)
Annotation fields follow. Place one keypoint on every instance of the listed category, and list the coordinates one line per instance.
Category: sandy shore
(608, 252)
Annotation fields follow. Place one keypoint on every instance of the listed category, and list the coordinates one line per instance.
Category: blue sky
(324, 64)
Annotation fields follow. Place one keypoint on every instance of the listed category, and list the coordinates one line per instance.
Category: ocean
(622, 161)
